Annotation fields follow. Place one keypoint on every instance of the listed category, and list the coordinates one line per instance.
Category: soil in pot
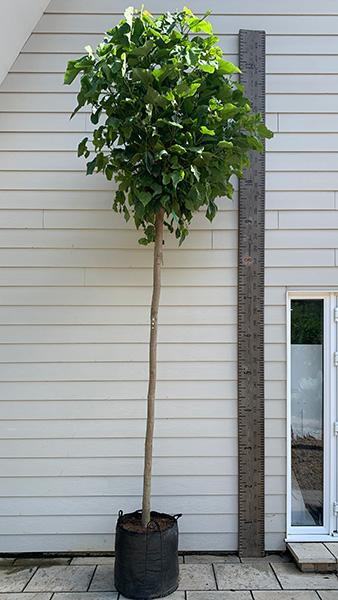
(146, 560)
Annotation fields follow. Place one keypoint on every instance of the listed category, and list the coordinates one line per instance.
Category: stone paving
(201, 578)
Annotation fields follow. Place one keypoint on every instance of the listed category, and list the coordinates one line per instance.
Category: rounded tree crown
(172, 125)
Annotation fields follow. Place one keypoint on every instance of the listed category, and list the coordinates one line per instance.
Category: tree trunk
(148, 453)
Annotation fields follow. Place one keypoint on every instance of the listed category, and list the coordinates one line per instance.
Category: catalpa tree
(172, 127)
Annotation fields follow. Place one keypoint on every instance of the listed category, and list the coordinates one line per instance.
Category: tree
(172, 127)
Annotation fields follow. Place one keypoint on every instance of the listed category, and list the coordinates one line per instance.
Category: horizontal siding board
(73, 371)
(103, 486)
(47, 277)
(301, 84)
(308, 220)
(300, 200)
(301, 161)
(97, 524)
(308, 122)
(110, 409)
(95, 297)
(108, 447)
(108, 334)
(302, 64)
(125, 428)
(116, 315)
(320, 277)
(49, 259)
(300, 258)
(118, 239)
(302, 180)
(93, 542)
(42, 122)
(26, 219)
(302, 103)
(303, 142)
(301, 238)
(248, 7)
(107, 506)
(121, 390)
(116, 467)
(275, 24)
(115, 352)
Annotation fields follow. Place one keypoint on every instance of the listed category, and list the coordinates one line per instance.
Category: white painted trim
(18, 20)
(310, 538)
(329, 391)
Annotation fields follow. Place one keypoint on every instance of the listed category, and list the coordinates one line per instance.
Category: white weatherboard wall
(76, 291)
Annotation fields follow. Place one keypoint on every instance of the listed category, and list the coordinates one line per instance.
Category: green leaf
(185, 89)
(109, 172)
(91, 166)
(177, 176)
(144, 197)
(153, 97)
(207, 131)
(143, 75)
(264, 131)
(165, 123)
(71, 72)
(178, 149)
(197, 25)
(143, 50)
(206, 68)
(227, 67)
(225, 144)
(143, 241)
(82, 147)
(195, 172)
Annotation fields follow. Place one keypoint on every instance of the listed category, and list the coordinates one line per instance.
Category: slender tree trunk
(148, 453)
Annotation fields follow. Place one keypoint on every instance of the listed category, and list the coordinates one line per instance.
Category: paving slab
(219, 596)
(285, 595)
(61, 579)
(6, 562)
(174, 596)
(85, 596)
(43, 562)
(93, 560)
(197, 577)
(210, 558)
(333, 548)
(327, 595)
(253, 576)
(103, 580)
(269, 558)
(15, 579)
(312, 556)
(27, 596)
(291, 578)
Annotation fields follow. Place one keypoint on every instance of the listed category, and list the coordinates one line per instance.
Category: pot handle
(177, 516)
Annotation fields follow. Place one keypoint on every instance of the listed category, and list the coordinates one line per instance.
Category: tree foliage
(171, 124)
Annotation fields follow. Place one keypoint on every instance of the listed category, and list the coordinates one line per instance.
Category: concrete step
(315, 556)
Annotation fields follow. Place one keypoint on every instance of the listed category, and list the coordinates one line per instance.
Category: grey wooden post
(251, 313)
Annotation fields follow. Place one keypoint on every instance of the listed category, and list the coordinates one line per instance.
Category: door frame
(327, 531)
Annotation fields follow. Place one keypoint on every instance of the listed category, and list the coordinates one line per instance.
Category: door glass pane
(307, 450)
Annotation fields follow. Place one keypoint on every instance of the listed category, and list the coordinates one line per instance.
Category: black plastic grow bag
(146, 563)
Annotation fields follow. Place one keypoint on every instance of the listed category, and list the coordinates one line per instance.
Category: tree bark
(148, 451)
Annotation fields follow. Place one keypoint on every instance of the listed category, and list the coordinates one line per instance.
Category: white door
(312, 413)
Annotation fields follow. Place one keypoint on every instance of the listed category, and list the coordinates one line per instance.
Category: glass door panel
(307, 408)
